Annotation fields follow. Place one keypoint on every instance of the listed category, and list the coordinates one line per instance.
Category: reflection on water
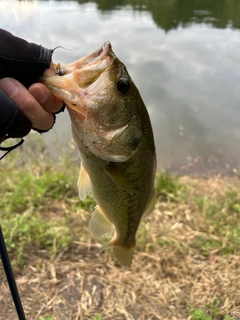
(169, 14)
(182, 54)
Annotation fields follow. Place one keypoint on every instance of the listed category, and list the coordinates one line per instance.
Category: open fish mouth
(78, 80)
(102, 57)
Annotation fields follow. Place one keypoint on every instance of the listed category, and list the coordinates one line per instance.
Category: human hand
(24, 103)
(37, 103)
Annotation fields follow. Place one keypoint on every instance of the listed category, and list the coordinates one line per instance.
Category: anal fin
(99, 225)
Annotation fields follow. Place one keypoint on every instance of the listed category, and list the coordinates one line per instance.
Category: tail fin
(124, 255)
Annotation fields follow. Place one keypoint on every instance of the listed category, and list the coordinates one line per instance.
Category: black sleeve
(23, 61)
(13, 122)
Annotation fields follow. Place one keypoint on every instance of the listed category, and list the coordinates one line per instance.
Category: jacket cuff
(45, 55)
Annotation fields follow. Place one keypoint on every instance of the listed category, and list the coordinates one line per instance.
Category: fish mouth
(85, 73)
(73, 81)
(105, 53)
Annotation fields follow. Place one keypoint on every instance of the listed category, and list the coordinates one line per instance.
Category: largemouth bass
(113, 133)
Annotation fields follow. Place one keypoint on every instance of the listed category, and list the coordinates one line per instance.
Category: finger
(47, 100)
(39, 118)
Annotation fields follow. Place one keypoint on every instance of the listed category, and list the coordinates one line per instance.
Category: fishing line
(61, 48)
(10, 277)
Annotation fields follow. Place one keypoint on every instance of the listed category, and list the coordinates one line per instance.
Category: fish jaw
(73, 86)
(98, 57)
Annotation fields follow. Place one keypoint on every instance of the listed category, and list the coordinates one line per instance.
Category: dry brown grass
(181, 264)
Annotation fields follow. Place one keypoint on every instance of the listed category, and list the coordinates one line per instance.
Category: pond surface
(183, 55)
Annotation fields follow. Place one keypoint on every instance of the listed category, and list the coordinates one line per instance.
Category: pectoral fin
(118, 177)
(84, 183)
(99, 225)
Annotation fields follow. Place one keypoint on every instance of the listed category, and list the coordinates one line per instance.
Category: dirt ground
(169, 278)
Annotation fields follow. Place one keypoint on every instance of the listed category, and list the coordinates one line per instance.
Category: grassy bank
(187, 258)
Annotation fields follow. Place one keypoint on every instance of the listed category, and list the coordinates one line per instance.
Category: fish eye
(123, 85)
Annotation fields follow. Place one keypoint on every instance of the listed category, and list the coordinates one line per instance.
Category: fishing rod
(3, 250)
(10, 277)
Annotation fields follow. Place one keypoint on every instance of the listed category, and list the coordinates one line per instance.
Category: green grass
(220, 220)
(33, 211)
(168, 187)
(30, 230)
(198, 314)
(40, 211)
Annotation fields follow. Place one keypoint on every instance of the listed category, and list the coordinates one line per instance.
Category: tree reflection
(169, 14)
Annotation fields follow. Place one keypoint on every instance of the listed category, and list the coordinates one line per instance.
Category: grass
(187, 259)
(199, 314)
(169, 187)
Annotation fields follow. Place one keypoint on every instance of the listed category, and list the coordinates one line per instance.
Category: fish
(112, 131)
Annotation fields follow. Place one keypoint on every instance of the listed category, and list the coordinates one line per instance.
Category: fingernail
(39, 93)
(9, 86)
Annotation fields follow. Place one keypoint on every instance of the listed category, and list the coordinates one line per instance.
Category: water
(183, 55)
